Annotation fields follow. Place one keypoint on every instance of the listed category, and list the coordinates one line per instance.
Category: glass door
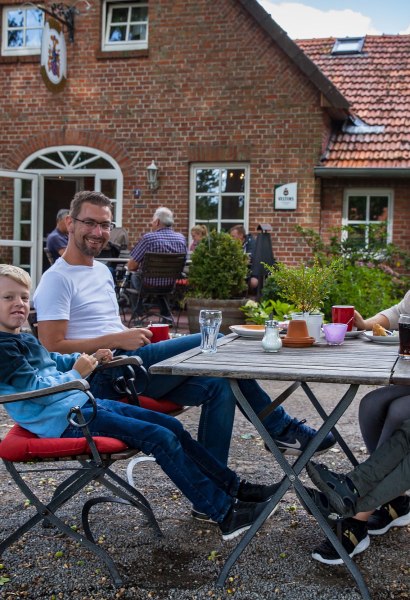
(20, 238)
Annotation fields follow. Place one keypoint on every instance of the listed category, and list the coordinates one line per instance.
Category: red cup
(343, 314)
(160, 332)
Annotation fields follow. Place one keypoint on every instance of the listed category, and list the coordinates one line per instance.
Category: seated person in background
(198, 232)
(26, 365)
(162, 239)
(381, 413)
(379, 480)
(57, 240)
(82, 315)
(389, 318)
(248, 244)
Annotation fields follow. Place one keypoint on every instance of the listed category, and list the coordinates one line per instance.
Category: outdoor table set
(358, 361)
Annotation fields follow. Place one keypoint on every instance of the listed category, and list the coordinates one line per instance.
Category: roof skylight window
(348, 45)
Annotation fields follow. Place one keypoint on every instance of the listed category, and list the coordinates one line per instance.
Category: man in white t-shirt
(77, 311)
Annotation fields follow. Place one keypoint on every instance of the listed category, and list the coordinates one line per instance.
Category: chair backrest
(161, 270)
(49, 256)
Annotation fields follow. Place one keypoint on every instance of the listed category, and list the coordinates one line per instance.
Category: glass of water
(209, 322)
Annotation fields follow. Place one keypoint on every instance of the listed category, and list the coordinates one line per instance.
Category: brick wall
(212, 84)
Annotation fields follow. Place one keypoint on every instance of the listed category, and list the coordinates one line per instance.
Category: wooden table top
(357, 361)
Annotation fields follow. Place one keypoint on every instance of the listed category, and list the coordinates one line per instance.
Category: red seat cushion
(21, 445)
(162, 406)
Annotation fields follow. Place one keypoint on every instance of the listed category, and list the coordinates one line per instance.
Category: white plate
(354, 333)
(382, 339)
(250, 331)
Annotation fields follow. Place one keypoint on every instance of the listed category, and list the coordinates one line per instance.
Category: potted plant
(306, 287)
(217, 279)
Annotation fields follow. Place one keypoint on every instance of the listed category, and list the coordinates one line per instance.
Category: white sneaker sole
(399, 522)
(361, 547)
(230, 536)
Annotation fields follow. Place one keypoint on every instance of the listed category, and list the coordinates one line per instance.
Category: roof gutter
(327, 172)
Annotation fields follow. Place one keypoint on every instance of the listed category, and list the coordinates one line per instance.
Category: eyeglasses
(91, 224)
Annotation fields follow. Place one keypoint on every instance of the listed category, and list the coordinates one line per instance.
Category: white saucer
(382, 339)
(255, 332)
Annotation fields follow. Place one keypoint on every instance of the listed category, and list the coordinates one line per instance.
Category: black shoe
(323, 504)
(253, 492)
(294, 439)
(354, 538)
(338, 488)
(395, 513)
(240, 517)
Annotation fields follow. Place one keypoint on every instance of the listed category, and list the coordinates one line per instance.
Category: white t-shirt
(83, 296)
(393, 313)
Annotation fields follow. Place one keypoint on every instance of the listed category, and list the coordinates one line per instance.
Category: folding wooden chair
(23, 452)
(158, 279)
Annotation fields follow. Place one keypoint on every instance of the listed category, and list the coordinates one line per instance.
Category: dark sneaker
(338, 488)
(294, 439)
(395, 513)
(323, 504)
(253, 492)
(354, 538)
(203, 517)
(240, 517)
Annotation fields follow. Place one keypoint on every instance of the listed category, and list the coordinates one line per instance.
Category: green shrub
(368, 288)
(219, 268)
(259, 312)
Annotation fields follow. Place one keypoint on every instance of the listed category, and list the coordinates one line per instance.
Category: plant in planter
(307, 287)
(258, 313)
(217, 279)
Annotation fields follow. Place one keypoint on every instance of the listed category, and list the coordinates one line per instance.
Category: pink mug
(343, 313)
(160, 332)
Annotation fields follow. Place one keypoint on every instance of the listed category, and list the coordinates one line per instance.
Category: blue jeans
(214, 394)
(207, 483)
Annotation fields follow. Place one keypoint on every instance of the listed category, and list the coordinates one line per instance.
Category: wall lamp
(152, 176)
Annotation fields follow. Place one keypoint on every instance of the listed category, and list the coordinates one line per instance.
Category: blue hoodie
(26, 365)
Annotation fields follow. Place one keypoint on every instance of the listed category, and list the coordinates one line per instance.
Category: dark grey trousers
(386, 473)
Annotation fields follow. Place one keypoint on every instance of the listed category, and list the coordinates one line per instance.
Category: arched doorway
(63, 171)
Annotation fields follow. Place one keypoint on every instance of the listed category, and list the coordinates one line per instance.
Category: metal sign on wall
(286, 196)
(53, 56)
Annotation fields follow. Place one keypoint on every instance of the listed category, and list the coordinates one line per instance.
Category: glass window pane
(98, 163)
(207, 180)
(15, 39)
(25, 229)
(109, 187)
(233, 207)
(139, 13)
(378, 208)
(15, 18)
(25, 211)
(117, 34)
(137, 32)
(357, 208)
(25, 257)
(233, 180)
(119, 15)
(26, 188)
(206, 207)
(357, 236)
(33, 38)
(34, 18)
(39, 163)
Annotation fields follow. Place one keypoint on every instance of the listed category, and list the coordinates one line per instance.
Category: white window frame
(23, 50)
(369, 192)
(192, 193)
(109, 46)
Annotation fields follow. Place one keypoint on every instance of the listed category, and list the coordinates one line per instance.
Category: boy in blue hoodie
(26, 365)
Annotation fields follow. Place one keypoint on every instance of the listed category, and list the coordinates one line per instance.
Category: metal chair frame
(156, 265)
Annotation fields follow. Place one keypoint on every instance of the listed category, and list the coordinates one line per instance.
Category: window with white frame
(125, 25)
(22, 29)
(368, 214)
(219, 195)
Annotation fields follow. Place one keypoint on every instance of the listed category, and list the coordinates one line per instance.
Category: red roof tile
(376, 83)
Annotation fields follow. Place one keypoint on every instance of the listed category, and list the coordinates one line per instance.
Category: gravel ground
(185, 562)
